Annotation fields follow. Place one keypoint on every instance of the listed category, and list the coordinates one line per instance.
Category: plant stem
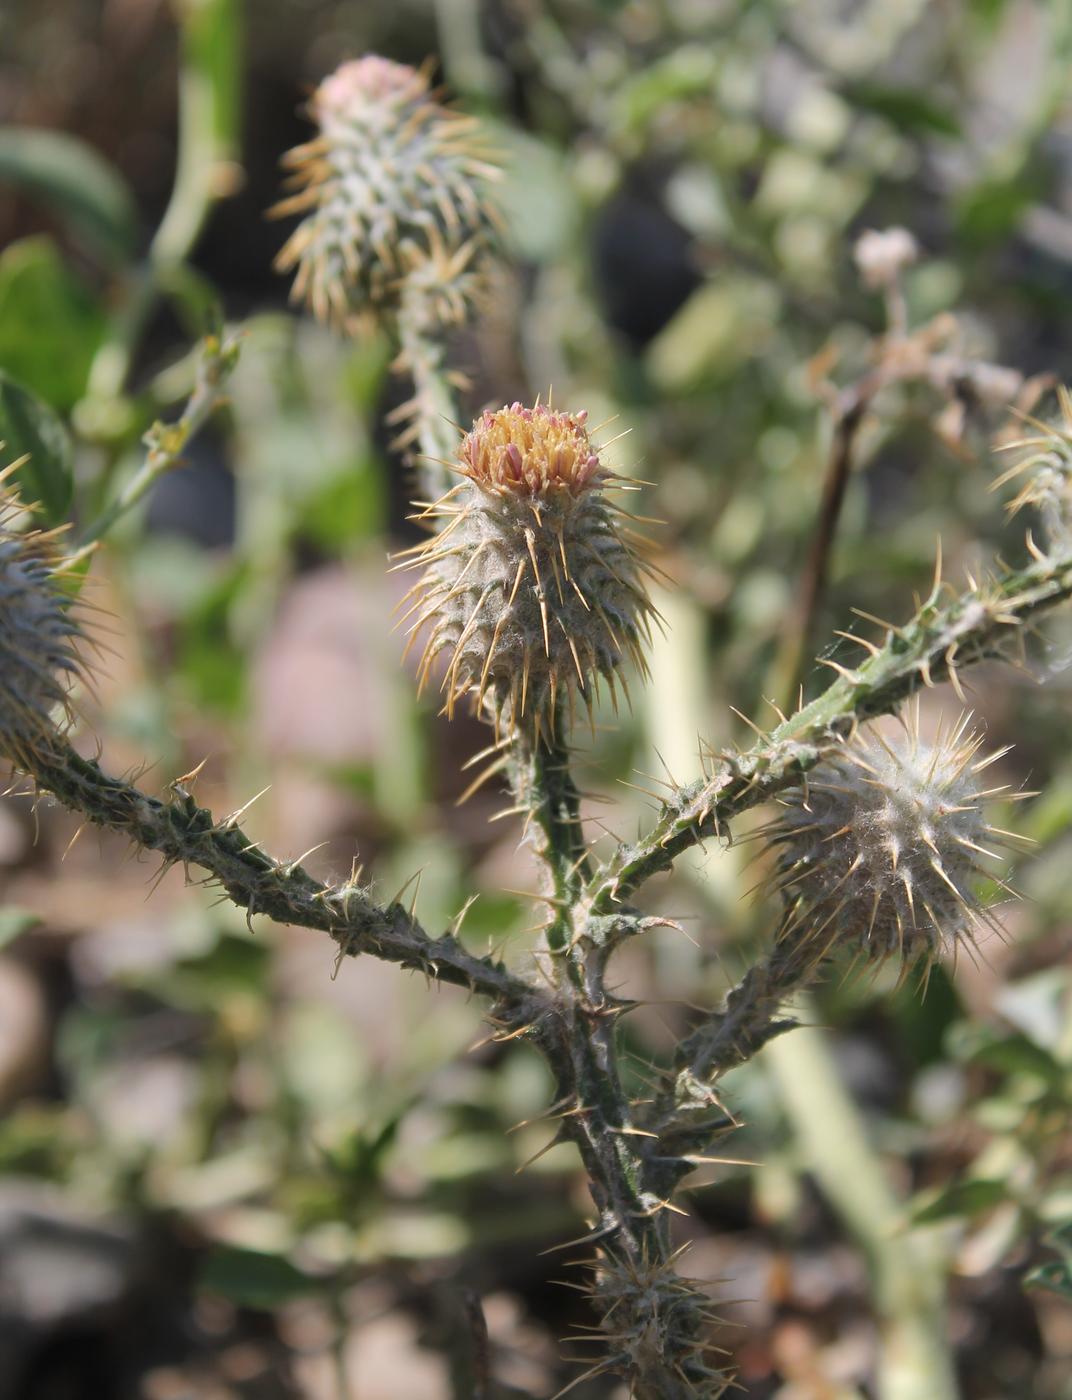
(166, 441)
(908, 1276)
(202, 150)
(798, 637)
(653, 1320)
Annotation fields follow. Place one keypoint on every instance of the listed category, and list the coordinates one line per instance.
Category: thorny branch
(187, 834)
(932, 646)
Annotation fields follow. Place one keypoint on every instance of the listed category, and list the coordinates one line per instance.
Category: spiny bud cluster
(392, 190)
(654, 1323)
(38, 632)
(1046, 462)
(880, 850)
(533, 585)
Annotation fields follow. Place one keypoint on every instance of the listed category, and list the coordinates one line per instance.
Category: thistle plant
(531, 593)
(39, 658)
(532, 587)
(397, 227)
(881, 844)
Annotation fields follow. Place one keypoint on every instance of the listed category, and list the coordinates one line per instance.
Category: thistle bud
(533, 586)
(392, 194)
(1045, 464)
(880, 850)
(38, 633)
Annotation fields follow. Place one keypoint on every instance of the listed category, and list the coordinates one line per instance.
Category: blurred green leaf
(14, 922)
(212, 50)
(992, 210)
(50, 326)
(1039, 1007)
(1055, 1276)
(536, 195)
(348, 509)
(252, 1279)
(908, 109)
(88, 193)
(209, 661)
(29, 426)
(234, 967)
(963, 1198)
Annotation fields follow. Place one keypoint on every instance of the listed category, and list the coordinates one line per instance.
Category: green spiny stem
(687, 1114)
(654, 1322)
(936, 643)
(543, 782)
(185, 833)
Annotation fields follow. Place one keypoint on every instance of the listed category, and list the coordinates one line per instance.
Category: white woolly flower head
(882, 848)
(393, 194)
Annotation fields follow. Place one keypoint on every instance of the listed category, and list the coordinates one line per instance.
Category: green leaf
(1055, 1276)
(963, 1198)
(50, 325)
(1016, 1054)
(88, 193)
(234, 967)
(992, 211)
(29, 426)
(14, 922)
(909, 110)
(252, 1279)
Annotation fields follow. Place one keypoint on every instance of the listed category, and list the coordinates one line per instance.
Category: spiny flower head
(38, 633)
(1046, 462)
(880, 849)
(533, 587)
(393, 194)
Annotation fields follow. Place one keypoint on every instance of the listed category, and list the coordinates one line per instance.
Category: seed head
(38, 632)
(883, 254)
(533, 587)
(880, 850)
(393, 196)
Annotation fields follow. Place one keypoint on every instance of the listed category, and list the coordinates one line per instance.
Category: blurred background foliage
(223, 1171)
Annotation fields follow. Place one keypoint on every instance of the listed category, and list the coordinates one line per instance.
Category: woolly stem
(934, 645)
(543, 782)
(431, 415)
(185, 833)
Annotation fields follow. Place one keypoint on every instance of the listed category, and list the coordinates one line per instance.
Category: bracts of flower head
(393, 197)
(883, 846)
(39, 635)
(533, 587)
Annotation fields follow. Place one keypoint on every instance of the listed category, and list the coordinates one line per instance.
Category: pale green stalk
(907, 1269)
